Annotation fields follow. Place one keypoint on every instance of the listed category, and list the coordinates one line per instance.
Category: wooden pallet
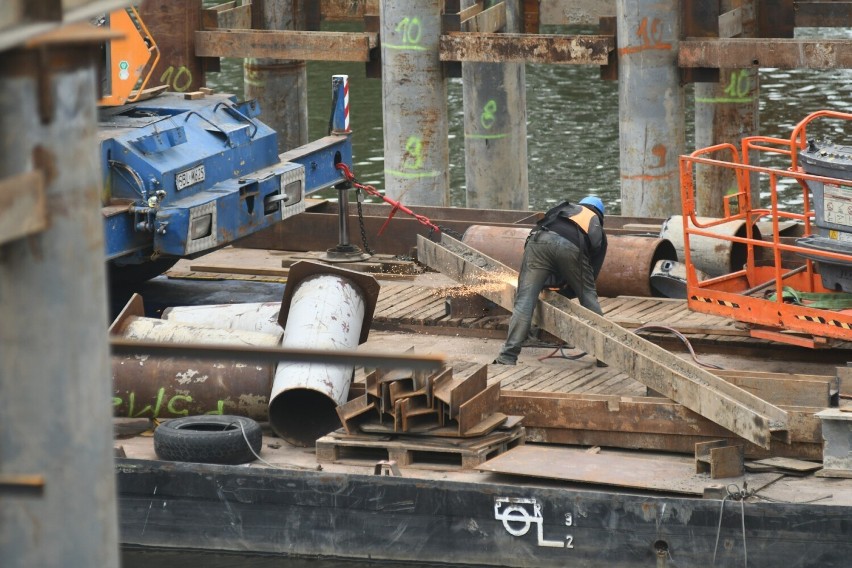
(419, 452)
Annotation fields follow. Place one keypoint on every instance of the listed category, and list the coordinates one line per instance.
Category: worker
(566, 248)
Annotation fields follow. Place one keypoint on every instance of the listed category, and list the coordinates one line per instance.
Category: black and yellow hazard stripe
(725, 303)
(824, 321)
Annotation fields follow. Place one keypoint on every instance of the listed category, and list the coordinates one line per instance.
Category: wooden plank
(423, 452)
(490, 20)
(575, 12)
(568, 464)
(676, 443)
(240, 261)
(526, 48)
(784, 388)
(823, 14)
(681, 380)
(651, 415)
(844, 380)
(798, 466)
(740, 53)
(23, 206)
(286, 44)
(545, 378)
(347, 10)
(404, 303)
(228, 16)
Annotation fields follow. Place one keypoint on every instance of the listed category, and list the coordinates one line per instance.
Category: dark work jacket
(572, 221)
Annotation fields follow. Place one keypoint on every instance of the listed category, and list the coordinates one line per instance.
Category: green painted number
(486, 119)
(413, 159)
(411, 30)
(739, 85)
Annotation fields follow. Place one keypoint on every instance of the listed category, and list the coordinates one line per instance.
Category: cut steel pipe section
(626, 270)
(174, 386)
(715, 257)
(324, 307)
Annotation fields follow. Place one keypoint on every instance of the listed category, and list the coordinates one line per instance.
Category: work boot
(497, 361)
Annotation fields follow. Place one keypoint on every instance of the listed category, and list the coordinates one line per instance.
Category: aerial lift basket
(817, 267)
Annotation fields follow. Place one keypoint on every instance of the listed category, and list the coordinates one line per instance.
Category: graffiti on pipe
(164, 405)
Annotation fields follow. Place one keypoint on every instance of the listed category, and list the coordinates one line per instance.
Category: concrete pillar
(495, 128)
(55, 387)
(650, 106)
(281, 86)
(414, 103)
(726, 111)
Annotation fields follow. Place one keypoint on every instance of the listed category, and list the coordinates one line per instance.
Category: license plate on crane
(189, 177)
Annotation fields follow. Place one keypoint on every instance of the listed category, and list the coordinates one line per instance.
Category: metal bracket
(387, 467)
(719, 459)
(22, 484)
(24, 205)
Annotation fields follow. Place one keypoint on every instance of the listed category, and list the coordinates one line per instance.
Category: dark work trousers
(545, 254)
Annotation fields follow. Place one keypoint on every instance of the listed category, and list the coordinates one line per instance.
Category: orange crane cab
(791, 290)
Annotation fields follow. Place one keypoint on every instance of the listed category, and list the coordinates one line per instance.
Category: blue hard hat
(595, 202)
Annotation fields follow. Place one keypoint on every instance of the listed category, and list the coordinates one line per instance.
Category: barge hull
(312, 514)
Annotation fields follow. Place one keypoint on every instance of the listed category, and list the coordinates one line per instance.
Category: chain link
(367, 248)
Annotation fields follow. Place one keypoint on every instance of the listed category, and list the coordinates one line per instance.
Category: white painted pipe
(257, 316)
(157, 330)
(326, 312)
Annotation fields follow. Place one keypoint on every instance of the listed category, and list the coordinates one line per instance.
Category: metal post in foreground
(495, 129)
(726, 111)
(280, 86)
(650, 107)
(55, 418)
(414, 103)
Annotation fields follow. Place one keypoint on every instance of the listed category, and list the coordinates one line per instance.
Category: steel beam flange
(134, 308)
(302, 269)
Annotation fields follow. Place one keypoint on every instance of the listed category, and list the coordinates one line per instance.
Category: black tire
(209, 438)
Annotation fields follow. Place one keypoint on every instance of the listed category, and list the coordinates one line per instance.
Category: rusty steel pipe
(626, 270)
(157, 387)
(164, 387)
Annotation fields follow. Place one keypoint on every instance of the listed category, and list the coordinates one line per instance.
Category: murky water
(572, 128)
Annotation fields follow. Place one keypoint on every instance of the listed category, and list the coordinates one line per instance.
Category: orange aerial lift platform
(813, 272)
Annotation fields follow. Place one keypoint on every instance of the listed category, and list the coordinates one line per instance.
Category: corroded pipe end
(301, 416)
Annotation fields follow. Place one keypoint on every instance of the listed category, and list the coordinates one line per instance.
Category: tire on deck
(208, 439)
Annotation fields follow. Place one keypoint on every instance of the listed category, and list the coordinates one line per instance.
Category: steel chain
(367, 248)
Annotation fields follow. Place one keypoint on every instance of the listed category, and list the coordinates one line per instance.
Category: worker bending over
(567, 249)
